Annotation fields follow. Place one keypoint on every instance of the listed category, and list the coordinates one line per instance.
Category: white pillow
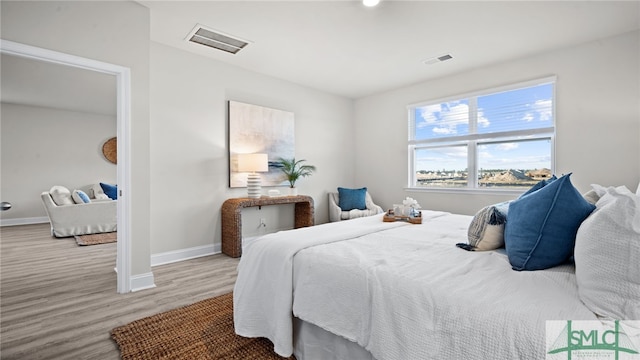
(591, 196)
(101, 197)
(96, 191)
(638, 191)
(606, 255)
(61, 195)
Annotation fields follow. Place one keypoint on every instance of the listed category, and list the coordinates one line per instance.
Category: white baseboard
(184, 254)
(146, 281)
(142, 282)
(24, 221)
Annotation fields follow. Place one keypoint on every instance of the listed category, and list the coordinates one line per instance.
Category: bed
(368, 289)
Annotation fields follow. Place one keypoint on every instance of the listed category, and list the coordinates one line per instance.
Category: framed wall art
(258, 129)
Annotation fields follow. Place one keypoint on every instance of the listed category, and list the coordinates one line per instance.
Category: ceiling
(345, 48)
(340, 47)
(37, 83)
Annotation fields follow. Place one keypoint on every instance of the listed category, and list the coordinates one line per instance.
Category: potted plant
(294, 170)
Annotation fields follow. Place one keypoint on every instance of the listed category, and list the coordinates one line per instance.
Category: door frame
(123, 119)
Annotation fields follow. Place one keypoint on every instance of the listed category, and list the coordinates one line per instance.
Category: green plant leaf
(295, 170)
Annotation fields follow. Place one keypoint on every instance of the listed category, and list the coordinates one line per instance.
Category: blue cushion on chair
(541, 229)
(110, 190)
(349, 199)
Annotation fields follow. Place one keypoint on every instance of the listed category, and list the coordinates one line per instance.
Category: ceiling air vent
(438, 59)
(216, 39)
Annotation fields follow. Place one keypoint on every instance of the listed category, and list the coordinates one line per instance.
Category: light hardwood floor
(59, 301)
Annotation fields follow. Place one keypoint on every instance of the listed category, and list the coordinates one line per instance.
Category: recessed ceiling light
(370, 2)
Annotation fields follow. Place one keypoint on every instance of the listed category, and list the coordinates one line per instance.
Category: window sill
(466, 191)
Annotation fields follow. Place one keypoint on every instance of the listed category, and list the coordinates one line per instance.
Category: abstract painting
(258, 129)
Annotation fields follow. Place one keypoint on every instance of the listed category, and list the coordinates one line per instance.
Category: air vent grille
(216, 40)
(437, 59)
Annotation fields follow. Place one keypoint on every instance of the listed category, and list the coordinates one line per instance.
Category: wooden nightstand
(232, 219)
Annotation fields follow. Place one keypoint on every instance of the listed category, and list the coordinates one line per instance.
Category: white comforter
(401, 291)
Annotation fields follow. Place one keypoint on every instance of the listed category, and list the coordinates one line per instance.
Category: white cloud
(446, 119)
(428, 115)
(485, 155)
(451, 158)
(444, 130)
(520, 162)
(507, 146)
(482, 121)
(541, 109)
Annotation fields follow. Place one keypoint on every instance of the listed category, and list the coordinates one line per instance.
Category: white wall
(597, 119)
(115, 32)
(42, 147)
(189, 166)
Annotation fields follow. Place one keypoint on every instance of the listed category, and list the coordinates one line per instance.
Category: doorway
(123, 115)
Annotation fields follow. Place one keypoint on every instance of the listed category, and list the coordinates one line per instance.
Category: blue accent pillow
(84, 196)
(349, 199)
(541, 230)
(110, 190)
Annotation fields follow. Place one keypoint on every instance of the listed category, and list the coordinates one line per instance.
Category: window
(496, 139)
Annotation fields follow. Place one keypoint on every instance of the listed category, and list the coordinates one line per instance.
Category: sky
(520, 109)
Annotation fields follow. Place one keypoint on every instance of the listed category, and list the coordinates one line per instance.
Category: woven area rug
(203, 330)
(95, 239)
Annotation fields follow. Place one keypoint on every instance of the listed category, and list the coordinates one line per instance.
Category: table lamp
(253, 163)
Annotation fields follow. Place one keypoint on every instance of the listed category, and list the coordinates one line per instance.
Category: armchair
(337, 214)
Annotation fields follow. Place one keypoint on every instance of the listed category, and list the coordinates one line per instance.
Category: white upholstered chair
(337, 214)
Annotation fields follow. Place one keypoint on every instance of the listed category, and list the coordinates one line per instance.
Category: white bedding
(401, 291)
(263, 293)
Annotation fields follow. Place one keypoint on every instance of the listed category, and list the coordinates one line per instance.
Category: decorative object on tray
(408, 211)
(110, 150)
(390, 217)
(294, 170)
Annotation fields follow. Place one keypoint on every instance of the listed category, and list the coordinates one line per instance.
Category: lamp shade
(253, 163)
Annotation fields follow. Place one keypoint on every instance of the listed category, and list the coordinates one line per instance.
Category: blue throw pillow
(541, 230)
(349, 199)
(84, 196)
(110, 190)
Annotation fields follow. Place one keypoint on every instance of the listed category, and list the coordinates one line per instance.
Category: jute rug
(95, 239)
(203, 330)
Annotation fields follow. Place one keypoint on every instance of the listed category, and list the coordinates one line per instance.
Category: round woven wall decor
(110, 150)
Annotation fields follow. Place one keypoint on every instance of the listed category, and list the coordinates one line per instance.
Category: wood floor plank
(58, 300)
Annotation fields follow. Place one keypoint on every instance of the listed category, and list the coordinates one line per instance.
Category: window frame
(473, 139)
